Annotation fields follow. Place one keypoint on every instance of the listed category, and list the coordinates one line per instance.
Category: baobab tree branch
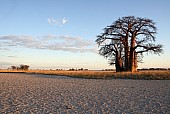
(107, 50)
(153, 48)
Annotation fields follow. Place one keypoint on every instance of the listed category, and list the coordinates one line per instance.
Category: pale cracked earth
(45, 94)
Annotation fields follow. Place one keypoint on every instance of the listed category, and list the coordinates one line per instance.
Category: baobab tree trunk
(133, 61)
(133, 56)
(126, 62)
(119, 63)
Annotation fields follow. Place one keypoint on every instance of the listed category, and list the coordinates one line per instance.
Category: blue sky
(53, 34)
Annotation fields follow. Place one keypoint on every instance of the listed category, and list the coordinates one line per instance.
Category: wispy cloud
(58, 22)
(49, 42)
(12, 56)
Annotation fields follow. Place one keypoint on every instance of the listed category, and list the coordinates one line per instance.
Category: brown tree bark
(119, 63)
(126, 48)
(132, 57)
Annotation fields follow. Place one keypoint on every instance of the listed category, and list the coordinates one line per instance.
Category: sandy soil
(29, 93)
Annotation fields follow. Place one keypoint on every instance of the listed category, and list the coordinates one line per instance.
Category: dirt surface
(32, 93)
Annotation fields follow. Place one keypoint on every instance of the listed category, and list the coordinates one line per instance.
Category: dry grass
(159, 74)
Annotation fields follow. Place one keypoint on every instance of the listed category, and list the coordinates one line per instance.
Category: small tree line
(80, 69)
(21, 67)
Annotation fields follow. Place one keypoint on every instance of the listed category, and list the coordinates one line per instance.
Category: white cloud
(49, 20)
(64, 21)
(50, 42)
(58, 22)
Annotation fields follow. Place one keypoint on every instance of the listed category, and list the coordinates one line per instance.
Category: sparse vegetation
(146, 75)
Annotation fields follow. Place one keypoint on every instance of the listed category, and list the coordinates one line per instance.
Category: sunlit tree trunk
(132, 57)
(135, 62)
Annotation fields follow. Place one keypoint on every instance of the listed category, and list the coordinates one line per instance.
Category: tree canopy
(125, 41)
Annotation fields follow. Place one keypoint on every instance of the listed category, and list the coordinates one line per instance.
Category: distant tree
(24, 67)
(13, 67)
(80, 69)
(125, 41)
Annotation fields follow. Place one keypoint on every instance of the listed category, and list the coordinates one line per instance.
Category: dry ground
(23, 93)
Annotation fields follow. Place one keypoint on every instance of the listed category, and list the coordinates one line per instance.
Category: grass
(92, 74)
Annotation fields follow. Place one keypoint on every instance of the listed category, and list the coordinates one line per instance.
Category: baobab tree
(125, 41)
